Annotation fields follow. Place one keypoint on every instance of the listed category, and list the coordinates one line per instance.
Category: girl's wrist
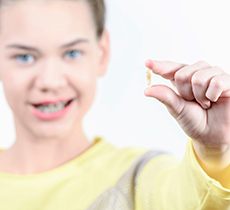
(213, 158)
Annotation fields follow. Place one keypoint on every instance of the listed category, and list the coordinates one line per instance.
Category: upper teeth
(52, 107)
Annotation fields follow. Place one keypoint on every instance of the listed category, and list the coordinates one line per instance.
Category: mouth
(53, 106)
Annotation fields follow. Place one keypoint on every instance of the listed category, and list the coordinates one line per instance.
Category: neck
(27, 157)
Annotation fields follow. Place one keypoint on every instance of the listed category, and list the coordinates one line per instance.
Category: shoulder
(119, 155)
(114, 159)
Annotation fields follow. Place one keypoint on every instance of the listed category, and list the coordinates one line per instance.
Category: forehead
(49, 21)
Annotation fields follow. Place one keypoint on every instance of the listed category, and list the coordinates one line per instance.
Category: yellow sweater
(163, 184)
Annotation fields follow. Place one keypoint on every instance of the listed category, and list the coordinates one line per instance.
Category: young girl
(51, 54)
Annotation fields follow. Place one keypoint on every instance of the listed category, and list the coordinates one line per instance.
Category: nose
(50, 76)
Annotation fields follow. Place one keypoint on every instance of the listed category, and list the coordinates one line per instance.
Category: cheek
(14, 90)
(85, 85)
(12, 95)
(83, 76)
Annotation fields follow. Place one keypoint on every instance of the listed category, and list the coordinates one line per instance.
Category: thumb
(174, 103)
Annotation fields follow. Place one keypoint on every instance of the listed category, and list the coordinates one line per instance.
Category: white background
(180, 30)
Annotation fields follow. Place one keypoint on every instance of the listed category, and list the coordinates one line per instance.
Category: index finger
(166, 69)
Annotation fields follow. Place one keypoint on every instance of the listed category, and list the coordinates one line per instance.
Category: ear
(104, 52)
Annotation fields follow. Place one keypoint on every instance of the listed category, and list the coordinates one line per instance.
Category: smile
(51, 111)
(53, 107)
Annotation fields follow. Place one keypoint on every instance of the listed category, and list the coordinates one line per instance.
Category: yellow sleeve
(166, 184)
(213, 167)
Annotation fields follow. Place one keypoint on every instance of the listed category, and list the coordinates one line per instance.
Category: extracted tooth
(149, 77)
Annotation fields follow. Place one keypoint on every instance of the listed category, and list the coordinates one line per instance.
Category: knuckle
(218, 69)
(201, 63)
(196, 79)
(181, 76)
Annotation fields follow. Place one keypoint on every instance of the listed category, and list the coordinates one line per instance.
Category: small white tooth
(60, 106)
(63, 103)
(51, 107)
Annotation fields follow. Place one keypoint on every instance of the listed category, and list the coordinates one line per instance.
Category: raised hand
(201, 104)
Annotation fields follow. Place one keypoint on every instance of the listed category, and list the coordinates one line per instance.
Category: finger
(165, 69)
(200, 81)
(183, 79)
(219, 86)
(168, 97)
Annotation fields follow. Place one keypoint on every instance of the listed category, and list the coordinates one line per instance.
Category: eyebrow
(66, 45)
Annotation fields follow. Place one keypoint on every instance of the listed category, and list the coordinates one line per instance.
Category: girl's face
(50, 59)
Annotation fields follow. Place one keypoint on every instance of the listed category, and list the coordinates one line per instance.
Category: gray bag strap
(122, 195)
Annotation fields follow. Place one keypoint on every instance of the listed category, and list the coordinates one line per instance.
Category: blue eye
(25, 58)
(74, 54)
